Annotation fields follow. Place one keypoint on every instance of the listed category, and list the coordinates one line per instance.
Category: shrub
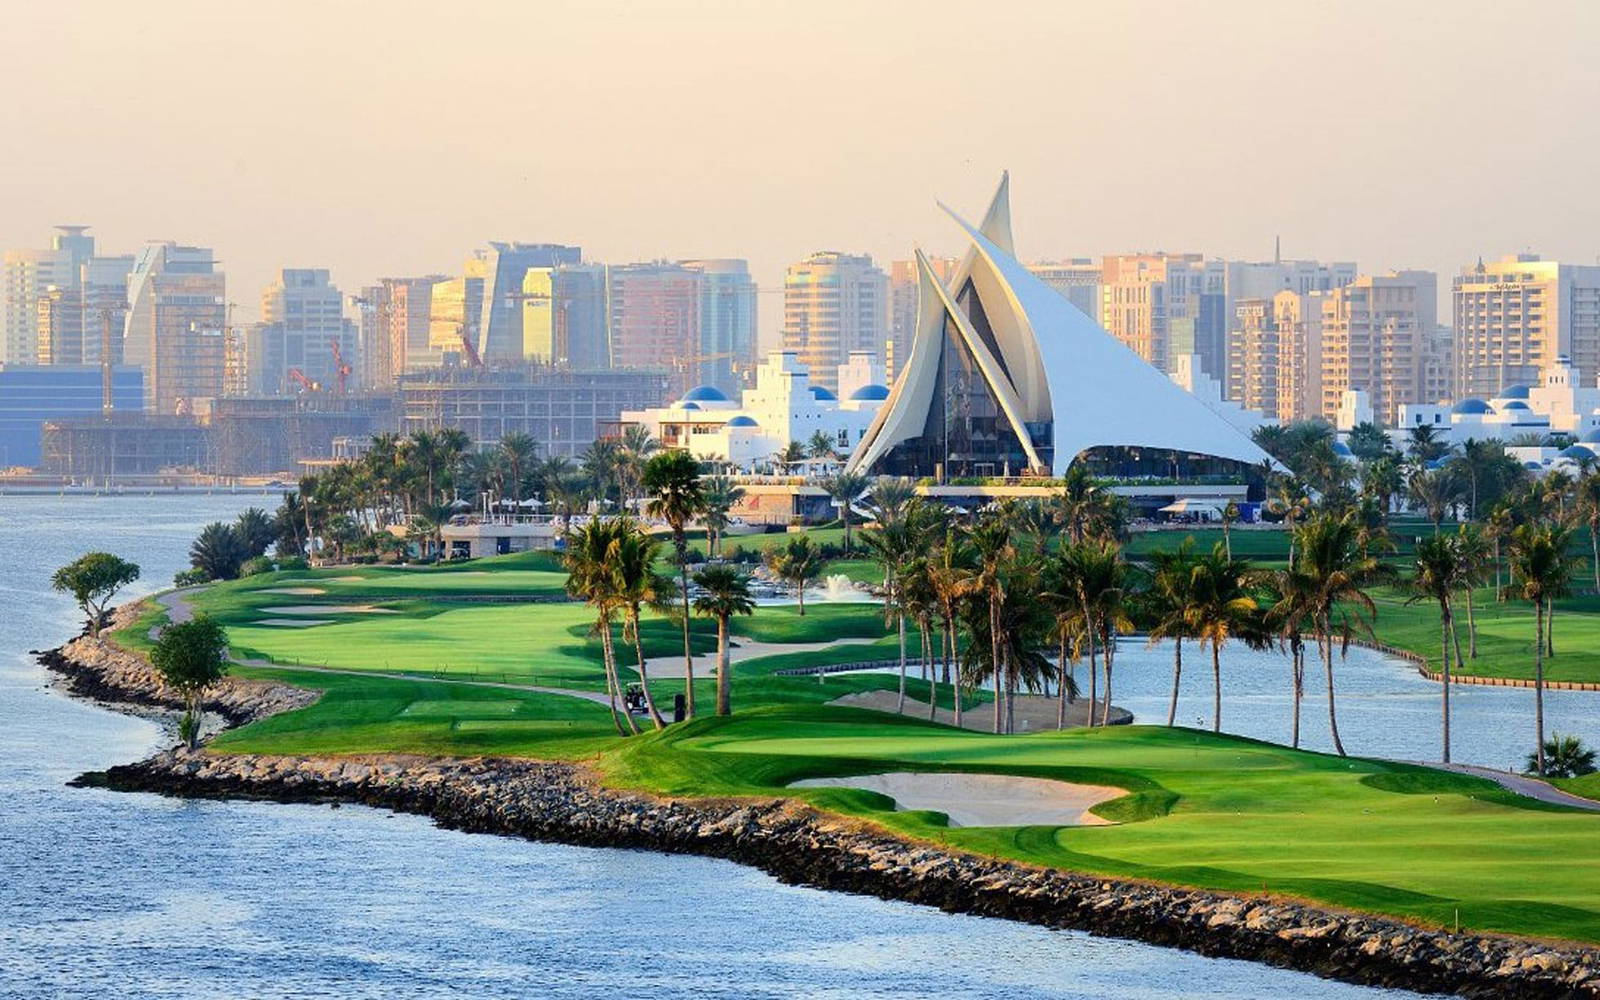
(294, 563)
(1564, 757)
(190, 577)
(256, 566)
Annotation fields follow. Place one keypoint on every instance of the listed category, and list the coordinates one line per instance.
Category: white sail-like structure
(1003, 365)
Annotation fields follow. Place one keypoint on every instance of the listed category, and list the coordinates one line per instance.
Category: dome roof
(705, 394)
(684, 404)
(870, 392)
(1593, 437)
(1342, 450)
(1518, 391)
(1472, 406)
(1515, 404)
(743, 421)
(1535, 466)
(823, 393)
(1577, 451)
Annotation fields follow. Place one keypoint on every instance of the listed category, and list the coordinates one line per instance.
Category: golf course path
(705, 664)
(180, 610)
(1521, 784)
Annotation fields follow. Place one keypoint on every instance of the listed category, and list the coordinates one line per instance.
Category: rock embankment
(559, 802)
(98, 669)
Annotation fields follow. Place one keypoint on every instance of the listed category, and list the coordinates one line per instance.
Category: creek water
(137, 896)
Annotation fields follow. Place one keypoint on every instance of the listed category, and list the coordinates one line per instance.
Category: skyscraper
(727, 344)
(103, 290)
(834, 303)
(1298, 319)
(564, 319)
(303, 329)
(1516, 316)
(1078, 281)
(501, 268)
(655, 320)
(174, 331)
(1376, 335)
(454, 317)
(1165, 306)
(903, 307)
(29, 275)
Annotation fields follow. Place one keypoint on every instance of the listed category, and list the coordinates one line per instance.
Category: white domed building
(784, 405)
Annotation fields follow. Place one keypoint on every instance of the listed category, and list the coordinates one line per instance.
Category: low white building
(1190, 374)
(783, 406)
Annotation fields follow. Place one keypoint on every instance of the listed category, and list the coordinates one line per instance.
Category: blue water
(135, 896)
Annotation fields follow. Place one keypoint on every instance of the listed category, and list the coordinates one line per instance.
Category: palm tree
(1434, 492)
(1221, 609)
(914, 588)
(588, 562)
(724, 592)
(634, 448)
(790, 455)
(1291, 611)
(720, 495)
(1423, 444)
(1336, 604)
(1472, 551)
(1230, 514)
(1475, 464)
(1006, 638)
(633, 565)
(673, 481)
(1437, 573)
(949, 575)
(519, 451)
(845, 489)
(600, 461)
(1589, 510)
(1173, 602)
(1082, 509)
(822, 447)
(1290, 502)
(894, 545)
(1095, 575)
(1541, 571)
(797, 563)
(991, 545)
(890, 495)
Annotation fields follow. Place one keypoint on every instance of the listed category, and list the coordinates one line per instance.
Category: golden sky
(390, 138)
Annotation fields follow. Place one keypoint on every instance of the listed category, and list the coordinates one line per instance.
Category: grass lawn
(1505, 635)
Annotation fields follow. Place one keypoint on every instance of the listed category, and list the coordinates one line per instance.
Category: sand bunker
(295, 622)
(331, 609)
(984, 799)
(293, 591)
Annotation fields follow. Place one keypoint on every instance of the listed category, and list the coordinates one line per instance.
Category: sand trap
(331, 609)
(984, 799)
(295, 622)
(293, 591)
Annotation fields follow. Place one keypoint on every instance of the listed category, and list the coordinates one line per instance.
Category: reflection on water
(136, 896)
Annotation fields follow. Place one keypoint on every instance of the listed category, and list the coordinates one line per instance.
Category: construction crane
(306, 384)
(468, 348)
(341, 370)
(107, 314)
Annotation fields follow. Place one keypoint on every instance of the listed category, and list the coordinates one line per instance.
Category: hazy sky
(390, 138)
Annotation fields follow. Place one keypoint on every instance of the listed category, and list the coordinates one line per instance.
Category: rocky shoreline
(563, 803)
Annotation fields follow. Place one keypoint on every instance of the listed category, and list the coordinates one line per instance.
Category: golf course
(483, 659)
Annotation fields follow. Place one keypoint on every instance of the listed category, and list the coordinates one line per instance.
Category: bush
(296, 563)
(256, 566)
(190, 577)
(1564, 757)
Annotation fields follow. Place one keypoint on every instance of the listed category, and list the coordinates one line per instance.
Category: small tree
(191, 656)
(92, 580)
(725, 592)
(1564, 757)
(845, 489)
(218, 551)
(797, 563)
(256, 530)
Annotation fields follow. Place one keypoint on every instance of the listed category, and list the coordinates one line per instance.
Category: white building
(1559, 404)
(785, 405)
(1190, 374)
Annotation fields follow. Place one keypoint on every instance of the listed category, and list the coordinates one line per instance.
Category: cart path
(1521, 784)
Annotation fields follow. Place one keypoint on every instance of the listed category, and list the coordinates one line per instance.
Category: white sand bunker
(331, 609)
(984, 799)
(293, 591)
(295, 622)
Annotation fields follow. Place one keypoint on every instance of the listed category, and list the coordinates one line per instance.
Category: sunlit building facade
(1514, 317)
(174, 330)
(834, 303)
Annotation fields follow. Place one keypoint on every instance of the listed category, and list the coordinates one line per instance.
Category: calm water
(137, 896)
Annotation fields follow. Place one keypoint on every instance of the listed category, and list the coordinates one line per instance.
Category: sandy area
(295, 622)
(294, 591)
(984, 799)
(1034, 712)
(331, 609)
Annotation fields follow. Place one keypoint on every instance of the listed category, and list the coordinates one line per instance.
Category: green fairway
(1505, 635)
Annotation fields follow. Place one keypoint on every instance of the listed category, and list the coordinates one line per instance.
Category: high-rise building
(655, 320)
(1376, 335)
(1078, 281)
(453, 317)
(564, 318)
(834, 303)
(103, 288)
(1165, 306)
(174, 330)
(903, 285)
(303, 329)
(29, 276)
(501, 268)
(727, 348)
(1298, 320)
(1253, 356)
(1517, 316)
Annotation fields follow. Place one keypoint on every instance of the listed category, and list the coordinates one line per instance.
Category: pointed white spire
(997, 220)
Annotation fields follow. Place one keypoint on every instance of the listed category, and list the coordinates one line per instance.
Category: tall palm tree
(724, 592)
(991, 545)
(890, 495)
(1337, 605)
(919, 600)
(1289, 501)
(719, 495)
(599, 462)
(588, 562)
(1541, 571)
(1589, 509)
(1222, 609)
(633, 567)
(822, 447)
(1294, 594)
(797, 563)
(1230, 514)
(790, 456)
(519, 451)
(1423, 444)
(1078, 504)
(845, 489)
(1434, 492)
(1172, 601)
(1437, 572)
(673, 481)
(1472, 551)
(1475, 465)
(1006, 638)
(1095, 575)
(949, 575)
(894, 545)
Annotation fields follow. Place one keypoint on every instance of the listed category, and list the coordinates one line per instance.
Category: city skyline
(374, 199)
